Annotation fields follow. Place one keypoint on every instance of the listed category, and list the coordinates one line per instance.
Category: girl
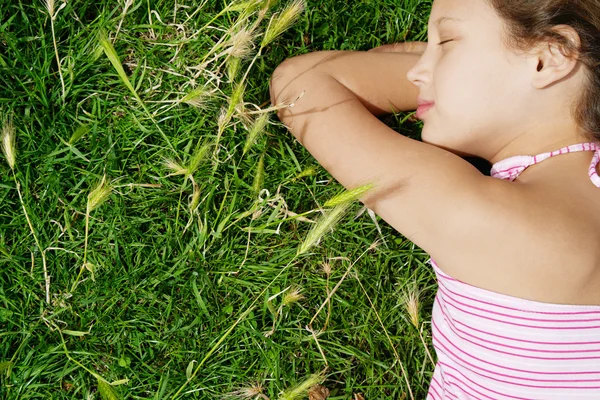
(515, 82)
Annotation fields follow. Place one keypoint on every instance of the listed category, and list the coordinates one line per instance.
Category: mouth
(422, 109)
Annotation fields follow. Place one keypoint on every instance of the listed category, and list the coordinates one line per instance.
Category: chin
(426, 137)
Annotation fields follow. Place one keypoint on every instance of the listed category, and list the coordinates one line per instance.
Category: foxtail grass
(410, 299)
(300, 390)
(259, 175)
(278, 24)
(293, 294)
(256, 129)
(10, 153)
(97, 196)
(52, 13)
(251, 392)
(224, 118)
(318, 231)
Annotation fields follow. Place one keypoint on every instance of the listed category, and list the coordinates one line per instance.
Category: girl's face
(479, 88)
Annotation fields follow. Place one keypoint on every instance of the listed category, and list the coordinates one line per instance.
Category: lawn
(157, 234)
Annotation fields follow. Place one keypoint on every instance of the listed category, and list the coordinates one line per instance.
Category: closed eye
(445, 41)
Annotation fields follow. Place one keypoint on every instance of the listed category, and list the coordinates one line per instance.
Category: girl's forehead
(461, 13)
(464, 9)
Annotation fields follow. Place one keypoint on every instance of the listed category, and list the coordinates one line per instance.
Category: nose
(418, 75)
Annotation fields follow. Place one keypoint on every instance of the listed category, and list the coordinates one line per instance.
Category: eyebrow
(442, 19)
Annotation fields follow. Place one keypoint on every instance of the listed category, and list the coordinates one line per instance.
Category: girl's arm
(433, 197)
(376, 77)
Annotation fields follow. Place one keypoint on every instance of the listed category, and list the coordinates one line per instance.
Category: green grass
(170, 280)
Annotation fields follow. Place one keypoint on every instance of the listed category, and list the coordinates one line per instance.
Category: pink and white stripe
(511, 167)
(494, 346)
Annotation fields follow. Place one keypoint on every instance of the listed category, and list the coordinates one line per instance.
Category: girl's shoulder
(544, 243)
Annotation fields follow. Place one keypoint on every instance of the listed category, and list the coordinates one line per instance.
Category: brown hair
(529, 22)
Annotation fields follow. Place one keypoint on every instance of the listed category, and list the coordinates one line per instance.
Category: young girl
(515, 82)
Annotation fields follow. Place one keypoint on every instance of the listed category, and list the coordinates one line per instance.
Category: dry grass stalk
(10, 153)
(411, 303)
(52, 12)
(327, 270)
(387, 336)
(314, 335)
(98, 195)
(128, 3)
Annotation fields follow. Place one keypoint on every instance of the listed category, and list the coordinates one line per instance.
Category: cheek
(466, 90)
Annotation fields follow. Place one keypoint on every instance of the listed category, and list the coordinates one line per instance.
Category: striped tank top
(494, 346)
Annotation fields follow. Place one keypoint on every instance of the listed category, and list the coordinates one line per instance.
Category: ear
(552, 61)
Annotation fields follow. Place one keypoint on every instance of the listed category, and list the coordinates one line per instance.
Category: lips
(423, 106)
(421, 101)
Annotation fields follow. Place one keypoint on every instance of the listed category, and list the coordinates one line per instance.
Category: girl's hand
(401, 47)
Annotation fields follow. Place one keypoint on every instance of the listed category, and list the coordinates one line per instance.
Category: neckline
(510, 168)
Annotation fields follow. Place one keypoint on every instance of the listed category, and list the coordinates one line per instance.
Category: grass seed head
(81, 131)
(309, 171)
(325, 223)
(256, 129)
(107, 392)
(245, 393)
(195, 198)
(222, 119)
(348, 195)
(280, 22)
(259, 175)
(233, 67)
(410, 302)
(326, 268)
(300, 391)
(293, 295)
(197, 158)
(197, 97)
(241, 43)
(98, 195)
(174, 166)
(237, 97)
(50, 7)
(8, 142)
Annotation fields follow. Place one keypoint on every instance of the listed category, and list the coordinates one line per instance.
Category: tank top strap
(511, 167)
